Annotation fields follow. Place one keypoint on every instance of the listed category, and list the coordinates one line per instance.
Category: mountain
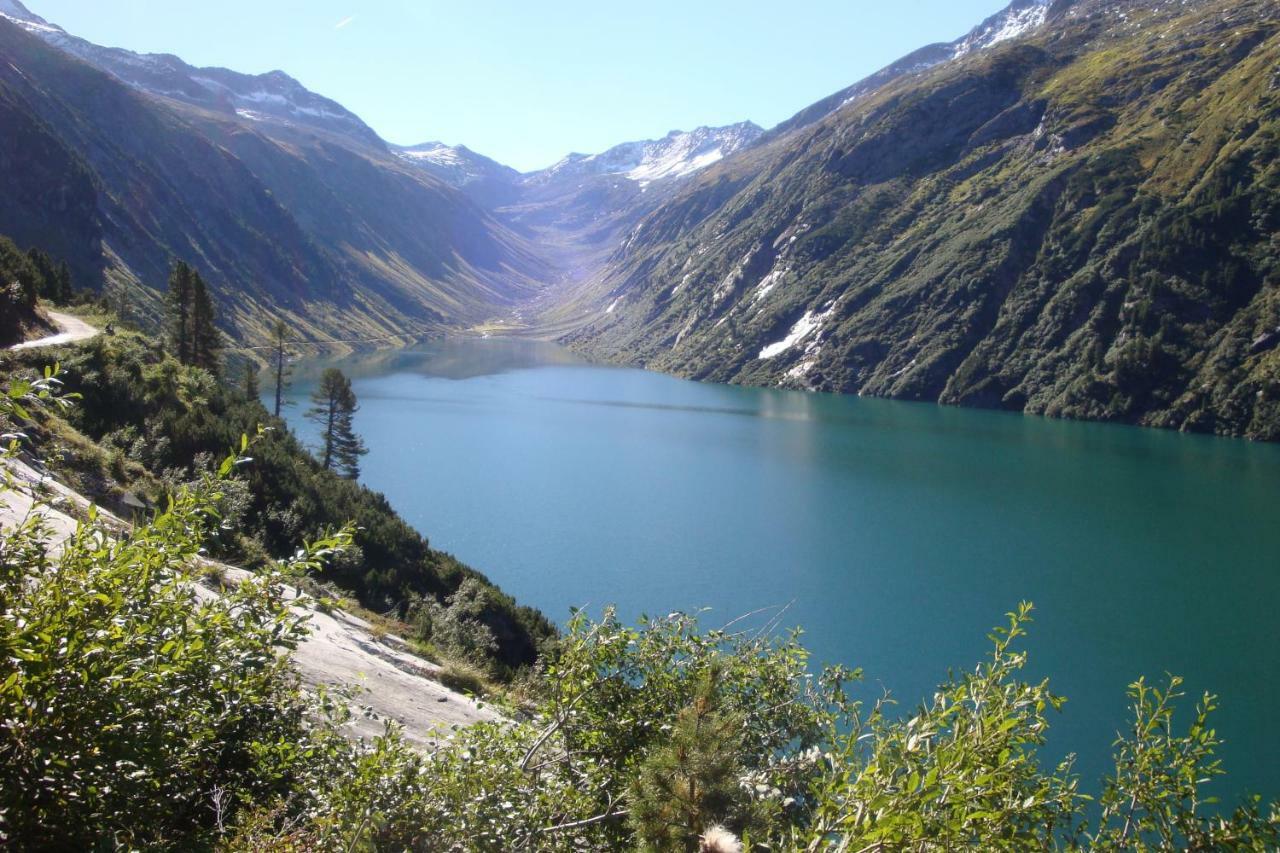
(577, 210)
(457, 164)
(1016, 19)
(1081, 220)
(286, 201)
(274, 96)
(676, 155)
(1070, 210)
(486, 181)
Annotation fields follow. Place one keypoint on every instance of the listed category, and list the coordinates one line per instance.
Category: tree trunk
(279, 376)
(328, 433)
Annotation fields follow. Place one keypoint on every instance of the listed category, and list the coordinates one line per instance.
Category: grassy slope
(1082, 224)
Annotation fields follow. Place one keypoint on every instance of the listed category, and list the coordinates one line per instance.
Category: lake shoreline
(901, 532)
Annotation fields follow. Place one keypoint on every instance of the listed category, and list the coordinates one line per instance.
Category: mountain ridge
(1079, 222)
(675, 155)
(273, 95)
(1016, 19)
(299, 147)
(310, 223)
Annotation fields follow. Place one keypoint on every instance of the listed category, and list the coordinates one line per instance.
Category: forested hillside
(1081, 222)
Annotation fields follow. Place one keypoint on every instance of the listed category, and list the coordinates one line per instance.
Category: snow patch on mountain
(31, 22)
(685, 153)
(434, 152)
(803, 327)
(768, 283)
(15, 11)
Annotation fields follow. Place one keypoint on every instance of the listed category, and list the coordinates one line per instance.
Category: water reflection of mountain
(448, 358)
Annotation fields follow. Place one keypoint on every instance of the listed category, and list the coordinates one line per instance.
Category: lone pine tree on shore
(333, 406)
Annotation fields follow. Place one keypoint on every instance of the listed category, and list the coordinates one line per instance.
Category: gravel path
(72, 329)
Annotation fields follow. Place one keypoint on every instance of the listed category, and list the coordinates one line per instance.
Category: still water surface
(899, 533)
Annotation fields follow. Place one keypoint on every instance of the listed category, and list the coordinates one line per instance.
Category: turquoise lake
(897, 533)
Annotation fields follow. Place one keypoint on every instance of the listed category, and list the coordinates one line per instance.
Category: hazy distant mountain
(582, 199)
(457, 164)
(1082, 220)
(676, 155)
(577, 209)
(486, 181)
(288, 201)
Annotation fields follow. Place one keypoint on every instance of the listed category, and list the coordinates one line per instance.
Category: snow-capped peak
(685, 153)
(1020, 17)
(677, 154)
(1017, 19)
(434, 152)
(456, 164)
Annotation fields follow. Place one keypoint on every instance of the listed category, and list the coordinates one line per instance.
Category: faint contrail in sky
(344, 22)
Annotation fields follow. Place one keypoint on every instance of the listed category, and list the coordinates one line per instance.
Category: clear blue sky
(527, 81)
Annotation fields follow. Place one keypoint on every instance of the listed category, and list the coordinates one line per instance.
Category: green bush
(136, 708)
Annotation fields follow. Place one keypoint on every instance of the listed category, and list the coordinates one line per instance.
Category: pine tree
(689, 786)
(55, 278)
(206, 340)
(251, 389)
(20, 279)
(63, 289)
(280, 354)
(333, 408)
(193, 329)
(179, 301)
